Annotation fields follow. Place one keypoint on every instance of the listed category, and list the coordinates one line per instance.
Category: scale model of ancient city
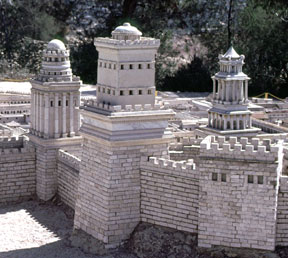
(214, 165)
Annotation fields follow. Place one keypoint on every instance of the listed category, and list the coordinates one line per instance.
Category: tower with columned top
(229, 114)
(121, 128)
(55, 100)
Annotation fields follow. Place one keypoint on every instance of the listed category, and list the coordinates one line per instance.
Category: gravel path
(31, 229)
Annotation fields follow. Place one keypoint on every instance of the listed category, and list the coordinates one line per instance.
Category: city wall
(17, 170)
(169, 194)
(68, 167)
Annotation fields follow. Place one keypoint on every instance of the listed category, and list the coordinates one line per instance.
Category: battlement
(143, 41)
(11, 142)
(177, 165)
(69, 159)
(119, 108)
(218, 146)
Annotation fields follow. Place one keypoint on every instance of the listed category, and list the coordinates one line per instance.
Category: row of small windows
(14, 112)
(59, 103)
(57, 73)
(8, 118)
(125, 67)
(124, 93)
(15, 102)
(55, 59)
(251, 179)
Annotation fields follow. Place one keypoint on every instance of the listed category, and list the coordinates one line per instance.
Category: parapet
(143, 41)
(118, 108)
(69, 159)
(248, 149)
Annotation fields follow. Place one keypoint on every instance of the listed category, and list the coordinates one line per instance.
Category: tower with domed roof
(229, 114)
(55, 100)
(126, 67)
(55, 95)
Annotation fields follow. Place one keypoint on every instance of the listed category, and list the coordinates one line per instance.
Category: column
(71, 106)
(246, 90)
(249, 121)
(56, 109)
(64, 119)
(32, 112)
(214, 89)
(241, 91)
(46, 116)
(36, 112)
(227, 91)
(40, 115)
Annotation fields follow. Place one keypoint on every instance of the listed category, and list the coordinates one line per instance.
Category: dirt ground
(31, 229)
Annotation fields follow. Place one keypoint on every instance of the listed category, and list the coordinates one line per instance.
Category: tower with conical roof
(55, 100)
(229, 114)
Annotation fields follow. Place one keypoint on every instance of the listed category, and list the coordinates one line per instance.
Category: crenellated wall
(239, 183)
(17, 170)
(68, 176)
(169, 194)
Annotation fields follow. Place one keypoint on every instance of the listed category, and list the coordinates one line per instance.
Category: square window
(223, 177)
(140, 92)
(130, 92)
(250, 179)
(260, 180)
(214, 177)
(121, 93)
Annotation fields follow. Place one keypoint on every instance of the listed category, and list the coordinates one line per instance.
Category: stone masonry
(238, 188)
(17, 170)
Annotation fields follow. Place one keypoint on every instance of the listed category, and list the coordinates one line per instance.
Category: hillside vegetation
(192, 34)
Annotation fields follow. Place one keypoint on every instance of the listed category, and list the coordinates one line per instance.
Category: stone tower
(126, 70)
(55, 100)
(120, 129)
(230, 114)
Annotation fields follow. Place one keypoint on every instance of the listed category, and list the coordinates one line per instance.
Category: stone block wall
(17, 170)
(169, 194)
(282, 213)
(108, 200)
(68, 175)
(238, 188)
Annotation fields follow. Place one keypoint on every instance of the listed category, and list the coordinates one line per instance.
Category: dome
(126, 32)
(126, 28)
(56, 44)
